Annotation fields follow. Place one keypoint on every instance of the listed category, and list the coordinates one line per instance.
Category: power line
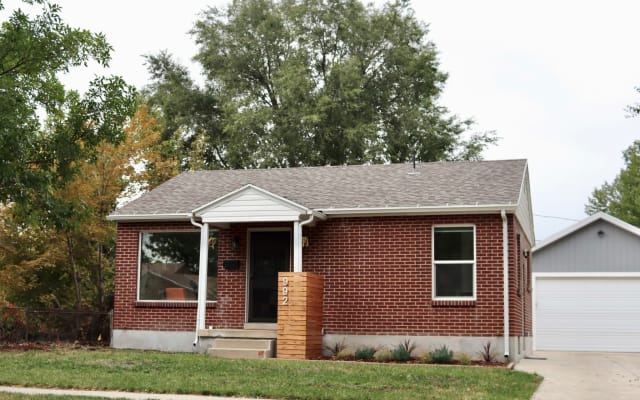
(554, 217)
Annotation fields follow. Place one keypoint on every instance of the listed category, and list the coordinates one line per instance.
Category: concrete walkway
(585, 376)
(113, 394)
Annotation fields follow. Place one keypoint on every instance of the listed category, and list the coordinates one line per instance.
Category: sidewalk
(113, 394)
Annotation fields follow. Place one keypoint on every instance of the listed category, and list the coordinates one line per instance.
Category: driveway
(585, 375)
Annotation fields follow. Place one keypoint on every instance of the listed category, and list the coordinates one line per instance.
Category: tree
(72, 264)
(621, 198)
(190, 114)
(318, 82)
(35, 158)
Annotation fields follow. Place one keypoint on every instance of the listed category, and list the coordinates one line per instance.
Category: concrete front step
(257, 344)
(242, 348)
(238, 333)
(240, 353)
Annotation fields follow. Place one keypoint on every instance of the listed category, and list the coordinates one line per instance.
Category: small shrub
(441, 355)
(344, 355)
(425, 358)
(365, 353)
(464, 358)
(336, 348)
(400, 353)
(487, 354)
(408, 345)
(383, 355)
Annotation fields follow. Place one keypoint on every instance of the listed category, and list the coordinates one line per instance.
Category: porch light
(235, 243)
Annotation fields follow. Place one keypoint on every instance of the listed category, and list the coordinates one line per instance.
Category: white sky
(551, 77)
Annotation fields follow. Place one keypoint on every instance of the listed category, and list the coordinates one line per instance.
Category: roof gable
(250, 204)
(586, 222)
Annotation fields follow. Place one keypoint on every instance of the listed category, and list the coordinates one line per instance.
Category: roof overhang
(418, 210)
(148, 217)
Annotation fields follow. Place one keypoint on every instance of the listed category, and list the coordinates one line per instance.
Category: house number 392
(285, 291)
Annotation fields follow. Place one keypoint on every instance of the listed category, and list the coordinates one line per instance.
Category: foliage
(403, 351)
(621, 198)
(487, 354)
(399, 353)
(301, 82)
(192, 131)
(383, 355)
(345, 354)
(441, 355)
(425, 358)
(365, 353)
(157, 372)
(12, 323)
(335, 348)
(72, 264)
(464, 358)
(35, 159)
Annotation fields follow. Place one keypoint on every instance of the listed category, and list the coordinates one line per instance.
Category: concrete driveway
(585, 375)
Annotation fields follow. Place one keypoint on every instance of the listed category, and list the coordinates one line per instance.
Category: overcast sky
(552, 78)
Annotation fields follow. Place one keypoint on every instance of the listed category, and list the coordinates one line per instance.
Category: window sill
(172, 304)
(453, 303)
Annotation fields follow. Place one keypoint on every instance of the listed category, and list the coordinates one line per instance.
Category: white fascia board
(551, 275)
(588, 221)
(225, 220)
(230, 195)
(436, 210)
(148, 217)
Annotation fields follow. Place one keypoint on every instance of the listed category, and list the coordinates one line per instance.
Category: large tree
(315, 82)
(621, 197)
(37, 158)
(72, 265)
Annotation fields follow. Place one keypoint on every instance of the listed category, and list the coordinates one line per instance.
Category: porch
(282, 303)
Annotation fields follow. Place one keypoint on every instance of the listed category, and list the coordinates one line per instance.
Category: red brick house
(438, 253)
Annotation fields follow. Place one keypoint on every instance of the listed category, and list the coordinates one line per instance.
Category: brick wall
(520, 299)
(377, 274)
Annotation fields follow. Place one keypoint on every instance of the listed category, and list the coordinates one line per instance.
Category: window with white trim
(454, 262)
(168, 268)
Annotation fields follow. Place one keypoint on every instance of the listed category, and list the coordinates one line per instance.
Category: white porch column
(297, 247)
(202, 275)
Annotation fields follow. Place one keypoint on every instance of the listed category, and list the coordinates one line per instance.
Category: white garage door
(588, 314)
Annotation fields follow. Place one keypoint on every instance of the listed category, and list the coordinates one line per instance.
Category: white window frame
(142, 232)
(433, 263)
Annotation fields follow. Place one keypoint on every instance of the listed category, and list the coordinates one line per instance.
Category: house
(587, 287)
(368, 255)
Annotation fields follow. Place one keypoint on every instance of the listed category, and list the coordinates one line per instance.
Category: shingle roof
(456, 183)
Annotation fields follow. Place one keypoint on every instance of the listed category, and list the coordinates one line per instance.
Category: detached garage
(586, 287)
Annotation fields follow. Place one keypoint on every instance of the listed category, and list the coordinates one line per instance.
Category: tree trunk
(74, 269)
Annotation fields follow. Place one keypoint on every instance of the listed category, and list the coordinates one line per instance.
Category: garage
(586, 288)
(588, 313)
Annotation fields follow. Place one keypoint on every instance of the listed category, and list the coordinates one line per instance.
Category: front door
(269, 254)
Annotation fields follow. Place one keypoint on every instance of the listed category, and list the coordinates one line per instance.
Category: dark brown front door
(269, 254)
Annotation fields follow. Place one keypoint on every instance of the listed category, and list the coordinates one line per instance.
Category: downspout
(505, 274)
(202, 276)
(297, 243)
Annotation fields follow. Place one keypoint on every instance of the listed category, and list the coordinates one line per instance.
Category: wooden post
(299, 315)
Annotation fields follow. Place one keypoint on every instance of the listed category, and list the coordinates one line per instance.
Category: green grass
(15, 396)
(147, 371)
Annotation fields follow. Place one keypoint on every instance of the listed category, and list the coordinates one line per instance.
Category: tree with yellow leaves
(72, 263)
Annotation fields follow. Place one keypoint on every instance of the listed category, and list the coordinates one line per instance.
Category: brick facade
(377, 276)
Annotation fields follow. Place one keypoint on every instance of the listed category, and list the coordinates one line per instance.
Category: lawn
(148, 371)
(15, 396)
